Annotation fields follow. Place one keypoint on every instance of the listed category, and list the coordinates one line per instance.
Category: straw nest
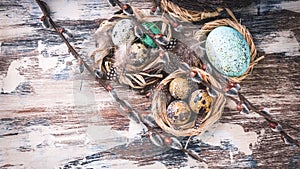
(108, 55)
(160, 103)
(208, 27)
(189, 15)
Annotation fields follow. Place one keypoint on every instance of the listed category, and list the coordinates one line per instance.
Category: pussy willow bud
(244, 109)
(266, 112)
(150, 121)
(112, 3)
(127, 9)
(98, 73)
(232, 92)
(276, 127)
(173, 142)
(156, 139)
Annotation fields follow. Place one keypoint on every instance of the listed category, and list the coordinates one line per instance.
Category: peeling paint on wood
(58, 117)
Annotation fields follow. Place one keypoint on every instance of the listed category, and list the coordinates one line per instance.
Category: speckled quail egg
(179, 113)
(123, 32)
(200, 101)
(228, 51)
(180, 88)
(138, 54)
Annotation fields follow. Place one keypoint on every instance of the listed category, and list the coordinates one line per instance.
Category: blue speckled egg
(227, 51)
(122, 32)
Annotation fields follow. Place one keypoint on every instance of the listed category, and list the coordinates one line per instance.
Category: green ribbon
(146, 40)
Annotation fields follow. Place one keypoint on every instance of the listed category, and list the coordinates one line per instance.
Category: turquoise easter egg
(123, 32)
(228, 51)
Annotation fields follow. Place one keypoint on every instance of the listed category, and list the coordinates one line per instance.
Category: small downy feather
(103, 34)
(122, 55)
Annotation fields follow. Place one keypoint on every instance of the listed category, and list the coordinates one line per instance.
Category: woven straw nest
(197, 10)
(160, 103)
(189, 15)
(108, 55)
(208, 27)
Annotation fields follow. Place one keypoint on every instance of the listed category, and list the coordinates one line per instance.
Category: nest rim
(188, 15)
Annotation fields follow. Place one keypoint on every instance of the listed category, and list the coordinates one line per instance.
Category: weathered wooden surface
(58, 117)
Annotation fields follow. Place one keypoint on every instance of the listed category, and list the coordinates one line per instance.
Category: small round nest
(209, 26)
(161, 99)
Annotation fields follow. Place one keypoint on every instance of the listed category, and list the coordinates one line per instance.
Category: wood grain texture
(61, 118)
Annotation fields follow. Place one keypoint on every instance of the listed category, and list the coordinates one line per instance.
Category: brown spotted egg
(200, 101)
(179, 113)
(138, 54)
(180, 88)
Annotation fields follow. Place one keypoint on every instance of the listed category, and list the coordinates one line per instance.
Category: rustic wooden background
(59, 118)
